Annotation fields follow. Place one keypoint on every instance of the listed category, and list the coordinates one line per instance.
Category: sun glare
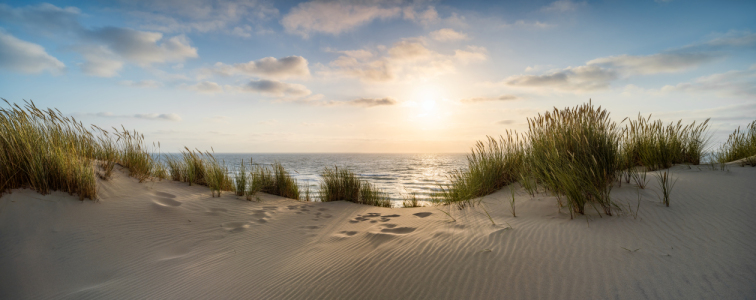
(427, 99)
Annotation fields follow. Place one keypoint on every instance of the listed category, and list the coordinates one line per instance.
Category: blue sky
(374, 76)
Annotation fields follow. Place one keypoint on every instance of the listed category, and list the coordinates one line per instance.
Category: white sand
(166, 240)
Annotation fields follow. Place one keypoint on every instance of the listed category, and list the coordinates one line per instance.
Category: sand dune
(166, 240)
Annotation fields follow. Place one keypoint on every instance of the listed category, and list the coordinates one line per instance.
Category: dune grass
(342, 184)
(490, 166)
(655, 146)
(665, 184)
(46, 151)
(575, 152)
(275, 180)
(410, 200)
(739, 145)
(241, 178)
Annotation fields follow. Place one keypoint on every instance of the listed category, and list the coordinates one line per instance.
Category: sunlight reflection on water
(396, 174)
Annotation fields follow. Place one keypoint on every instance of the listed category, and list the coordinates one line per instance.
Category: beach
(167, 240)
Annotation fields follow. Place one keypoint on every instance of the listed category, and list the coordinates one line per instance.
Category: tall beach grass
(342, 184)
(739, 145)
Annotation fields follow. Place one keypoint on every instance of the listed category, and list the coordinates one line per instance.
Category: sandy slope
(166, 240)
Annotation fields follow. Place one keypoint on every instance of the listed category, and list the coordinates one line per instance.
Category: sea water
(398, 175)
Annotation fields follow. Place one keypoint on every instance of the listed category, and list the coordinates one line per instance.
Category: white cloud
(205, 87)
(489, 99)
(287, 67)
(332, 17)
(600, 72)
(580, 79)
(141, 84)
(562, 6)
(655, 63)
(273, 88)
(44, 17)
(149, 116)
(406, 59)
(527, 24)
(99, 61)
(734, 83)
(26, 57)
(447, 34)
(164, 117)
(427, 17)
(472, 54)
(143, 48)
(370, 102)
(200, 15)
(409, 50)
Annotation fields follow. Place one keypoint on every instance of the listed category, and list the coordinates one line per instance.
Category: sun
(427, 99)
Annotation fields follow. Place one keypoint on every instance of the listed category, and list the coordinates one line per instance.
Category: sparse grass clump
(195, 167)
(575, 153)
(739, 145)
(343, 184)
(490, 167)
(665, 184)
(277, 181)
(240, 179)
(410, 200)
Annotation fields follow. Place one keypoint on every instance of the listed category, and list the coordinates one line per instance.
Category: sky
(374, 76)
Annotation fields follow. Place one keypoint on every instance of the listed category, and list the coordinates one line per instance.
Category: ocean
(396, 174)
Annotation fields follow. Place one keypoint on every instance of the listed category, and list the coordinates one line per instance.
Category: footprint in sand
(346, 233)
(270, 207)
(166, 202)
(311, 227)
(165, 195)
(422, 214)
(235, 227)
(391, 228)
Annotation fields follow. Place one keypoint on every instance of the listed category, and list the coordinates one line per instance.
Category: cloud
(201, 15)
(655, 63)
(406, 59)
(600, 72)
(205, 87)
(332, 17)
(44, 17)
(370, 71)
(409, 50)
(527, 24)
(429, 16)
(472, 54)
(487, 99)
(562, 6)
(275, 88)
(150, 116)
(370, 102)
(99, 61)
(447, 34)
(583, 78)
(141, 84)
(505, 122)
(26, 57)
(164, 117)
(734, 83)
(143, 48)
(287, 67)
